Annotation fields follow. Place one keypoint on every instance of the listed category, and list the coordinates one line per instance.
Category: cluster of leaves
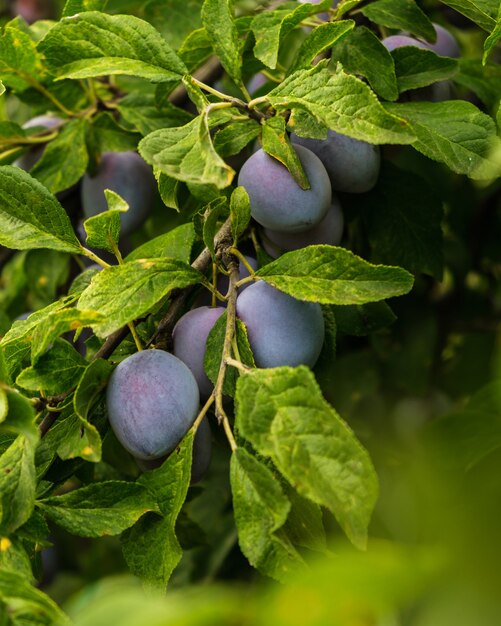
(296, 464)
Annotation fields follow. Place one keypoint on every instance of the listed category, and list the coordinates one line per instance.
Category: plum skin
(329, 231)
(352, 165)
(277, 201)
(189, 340)
(152, 401)
(282, 330)
(127, 174)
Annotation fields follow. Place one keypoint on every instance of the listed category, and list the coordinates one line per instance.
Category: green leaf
(2, 88)
(141, 110)
(492, 40)
(455, 133)
(271, 27)
(20, 63)
(403, 218)
(4, 405)
(240, 213)
(235, 136)
(99, 509)
(277, 144)
(151, 548)
(320, 39)
(175, 19)
(363, 319)
(103, 229)
(215, 212)
(282, 413)
(64, 159)
(361, 52)
(186, 153)
(56, 324)
(416, 67)
(261, 509)
(95, 44)
(105, 134)
(72, 7)
(176, 244)
(196, 49)
(333, 275)
(168, 189)
(55, 371)
(22, 598)
(45, 225)
(125, 292)
(482, 12)
(218, 19)
(401, 14)
(20, 416)
(17, 484)
(341, 102)
(304, 526)
(46, 272)
(484, 80)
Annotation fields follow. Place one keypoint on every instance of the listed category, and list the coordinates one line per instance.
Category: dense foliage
(249, 311)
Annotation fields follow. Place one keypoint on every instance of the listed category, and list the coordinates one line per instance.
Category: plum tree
(128, 175)
(328, 231)
(282, 330)
(152, 401)
(352, 165)
(29, 159)
(189, 339)
(277, 201)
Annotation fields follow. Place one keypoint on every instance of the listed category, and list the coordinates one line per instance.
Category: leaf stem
(135, 336)
(245, 281)
(88, 253)
(203, 412)
(241, 257)
(238, 365)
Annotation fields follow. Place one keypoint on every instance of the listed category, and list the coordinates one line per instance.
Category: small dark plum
(152, 401)
(189, 340)
(329, 231)
(33, 10)
(399, 41)
(128, 175)
(277, 201)
(281, 329)
(352, 165)
(446, 44)
(30, 158)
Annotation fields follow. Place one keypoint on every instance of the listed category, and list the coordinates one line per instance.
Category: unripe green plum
(352, 165)
(152, 401)
(281, 329)
(127, 174)
(277, 201)
(329, 231)
(189, 340)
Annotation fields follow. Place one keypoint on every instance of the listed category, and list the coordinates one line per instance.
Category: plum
(329, 231)
(277, 201)
(190, 337)
(352, 165)
(152, 401)
(128, 175)
(282, 330)
(399, 41)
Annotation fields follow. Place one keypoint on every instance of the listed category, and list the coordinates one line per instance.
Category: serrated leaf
(196, 49)
(125, 292)
(72, 437)
(20, 63)
(282, 413)
(271, 27)
(218, 19)
(168, 189)
(19, 595)
(320, 39)
(235, 136)
(416, 67)
(17, 484)
(401, 14)
(55, 371)
(261, 509)
(342, 102)
(240, 212)
(482, 12)
(45, 225)
(56, 324)
(141, 110)
(176, 244)
(331, 275)
(72, 7)
(361, 52)
(64, 159)
(95, 44)
(186, 153)
(455, 133)
(151, 548)
(103, 229)
(277, 144)
(99, 509)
